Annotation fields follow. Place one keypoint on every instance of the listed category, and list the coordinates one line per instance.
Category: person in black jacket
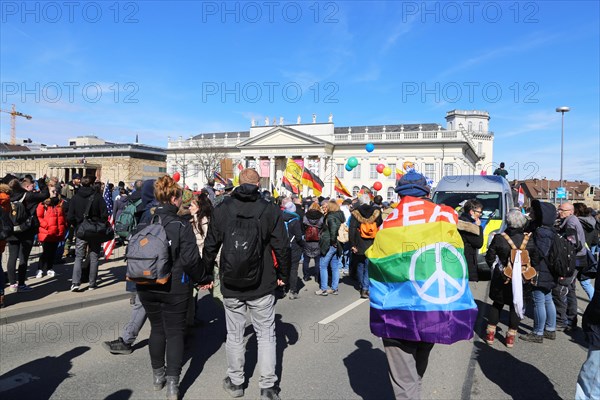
(543, 216)
(98, 212)
(258, 298)
(293, 222)
(500, 289)
(166, 305)
(364, 214)
(471, 231)
(20, 243)
(589, 376)
(331, 249)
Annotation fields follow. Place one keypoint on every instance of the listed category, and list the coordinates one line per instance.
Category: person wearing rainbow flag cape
(419, 288)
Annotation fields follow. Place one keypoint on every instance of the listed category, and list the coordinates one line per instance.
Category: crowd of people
(278, 236)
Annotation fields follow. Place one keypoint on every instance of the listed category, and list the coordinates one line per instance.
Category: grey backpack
(148, 255)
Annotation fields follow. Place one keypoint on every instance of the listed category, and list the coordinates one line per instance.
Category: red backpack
(312, 234)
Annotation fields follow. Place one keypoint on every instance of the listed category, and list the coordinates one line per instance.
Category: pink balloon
(377, 185)
(380, 168)
(176, 176)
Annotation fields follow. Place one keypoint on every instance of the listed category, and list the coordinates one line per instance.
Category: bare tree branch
(200, 158)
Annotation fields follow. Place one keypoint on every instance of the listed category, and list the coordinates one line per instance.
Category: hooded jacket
(572, 222)
(544, 215)
(53, 224)
(245, 200)
(78, 206)
(314, 218)
(30, 201)
(294, 231)
(589, 228)
(184, 252)
(333, 220)
(365, 213)
(472, 236)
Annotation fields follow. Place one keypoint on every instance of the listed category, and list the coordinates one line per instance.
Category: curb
(36, 311)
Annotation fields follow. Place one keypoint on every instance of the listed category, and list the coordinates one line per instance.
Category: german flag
(312, 181)
(340, 188)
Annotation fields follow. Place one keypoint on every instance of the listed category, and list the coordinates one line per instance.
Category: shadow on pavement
(368, 372)
(203, 341)
(38, 379)
(509, 373)
(123, 394)
(286, 335)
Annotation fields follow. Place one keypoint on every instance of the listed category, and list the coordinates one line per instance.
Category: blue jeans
(588, 288)
(346, 254)
(544, 311)
(588, 382)
(332, 257)
(362, 270)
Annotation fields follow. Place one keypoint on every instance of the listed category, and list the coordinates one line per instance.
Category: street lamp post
(562, 110)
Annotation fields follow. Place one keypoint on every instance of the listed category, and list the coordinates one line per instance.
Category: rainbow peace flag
(419, 280)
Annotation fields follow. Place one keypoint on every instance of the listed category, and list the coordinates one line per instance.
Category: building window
(430, 171)
(195, 186)
(372, 171)
(393, 174)
(479, 148)
(340, 170)
(481, 127)
(356, 172)
(355, 191)
(390, 194)
(450, 125)
(448, 169)
(470, 125)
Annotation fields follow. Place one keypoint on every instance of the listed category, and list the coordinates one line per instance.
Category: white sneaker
(74, 288)
(39, 274)
(51, 273)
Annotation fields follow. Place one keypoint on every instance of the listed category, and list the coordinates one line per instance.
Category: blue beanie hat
(412, 184)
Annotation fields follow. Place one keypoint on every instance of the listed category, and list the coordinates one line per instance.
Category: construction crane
(13, 122)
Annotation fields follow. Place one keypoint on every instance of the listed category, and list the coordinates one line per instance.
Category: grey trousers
(136, 321)
(94, 254)
(407, 364)
(262, 316)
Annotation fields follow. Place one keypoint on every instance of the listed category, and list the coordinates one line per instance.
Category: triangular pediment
(284, 137)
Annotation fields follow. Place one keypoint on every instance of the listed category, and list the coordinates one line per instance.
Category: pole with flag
(521, 197)
(311, 180)
(292, 177)
(340, 188)
(109, 246)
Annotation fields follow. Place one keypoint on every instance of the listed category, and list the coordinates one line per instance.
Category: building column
(271, 171)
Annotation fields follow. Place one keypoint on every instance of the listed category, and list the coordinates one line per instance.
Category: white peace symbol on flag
(439, 276)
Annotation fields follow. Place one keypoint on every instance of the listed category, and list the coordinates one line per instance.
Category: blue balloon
(370, 147)
(348, 168)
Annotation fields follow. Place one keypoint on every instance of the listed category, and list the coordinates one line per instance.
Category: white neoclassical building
(464, 146)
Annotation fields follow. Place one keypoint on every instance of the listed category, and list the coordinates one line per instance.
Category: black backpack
(561, 258)
(242, 251)
(20, 217)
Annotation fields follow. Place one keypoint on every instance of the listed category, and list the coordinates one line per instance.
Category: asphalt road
(324, 346)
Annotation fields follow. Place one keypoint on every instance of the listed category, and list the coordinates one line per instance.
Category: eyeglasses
(562, 210)
(478, 211)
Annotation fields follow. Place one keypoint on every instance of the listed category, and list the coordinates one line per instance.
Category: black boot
(172, 387)
(159, 378)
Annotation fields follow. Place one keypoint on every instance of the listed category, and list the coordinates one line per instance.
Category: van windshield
(492, 204)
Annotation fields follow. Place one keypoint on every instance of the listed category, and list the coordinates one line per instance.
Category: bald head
(565, 210)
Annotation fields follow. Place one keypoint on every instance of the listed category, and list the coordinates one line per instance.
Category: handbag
(96, 231)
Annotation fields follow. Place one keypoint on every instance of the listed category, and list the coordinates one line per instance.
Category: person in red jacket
(53, 226)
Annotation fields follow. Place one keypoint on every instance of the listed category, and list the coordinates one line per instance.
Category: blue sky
(158, 69)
